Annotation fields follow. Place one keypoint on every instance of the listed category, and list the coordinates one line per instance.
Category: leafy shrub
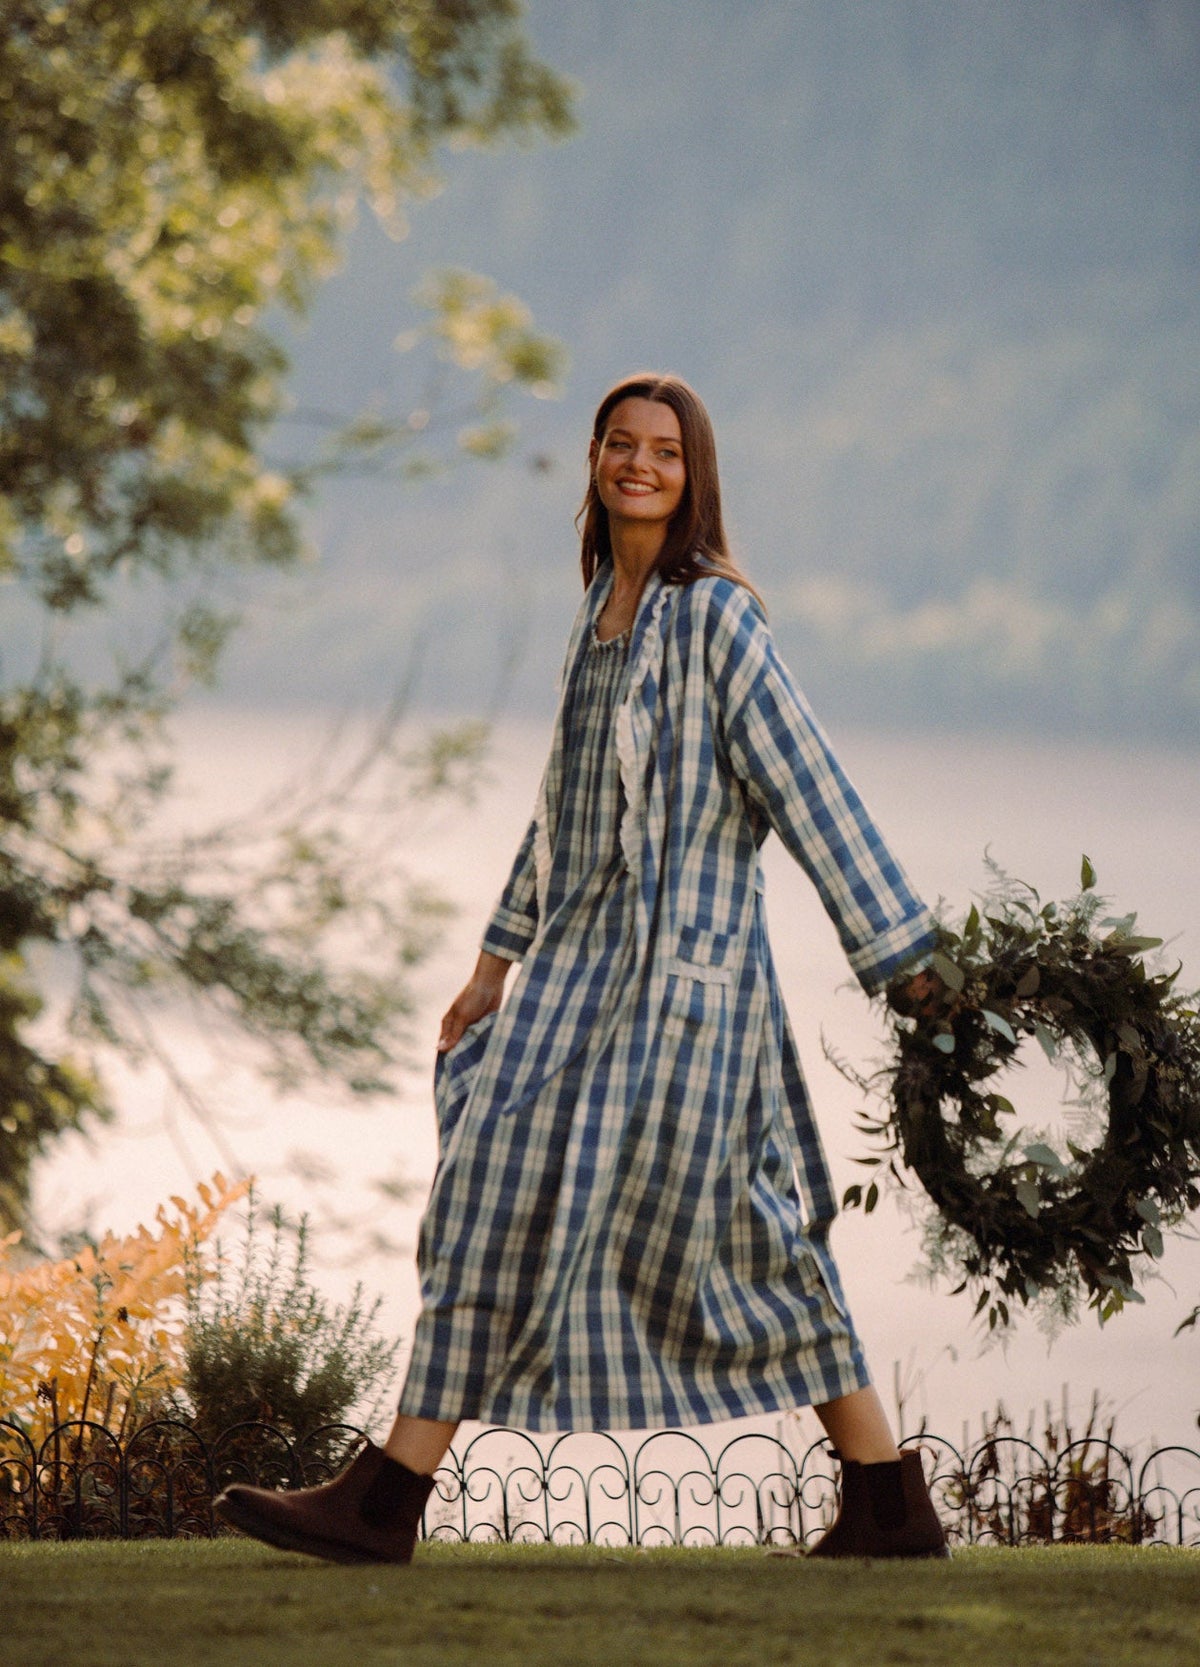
(262, 1345)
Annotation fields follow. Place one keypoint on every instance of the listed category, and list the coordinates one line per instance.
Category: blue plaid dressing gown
(629, 1222)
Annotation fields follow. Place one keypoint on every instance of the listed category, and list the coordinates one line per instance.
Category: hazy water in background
(940, 800)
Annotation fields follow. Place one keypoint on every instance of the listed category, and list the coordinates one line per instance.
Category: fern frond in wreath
(1016, 1221)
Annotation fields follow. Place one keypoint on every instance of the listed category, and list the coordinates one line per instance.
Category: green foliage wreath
(1012, 1218)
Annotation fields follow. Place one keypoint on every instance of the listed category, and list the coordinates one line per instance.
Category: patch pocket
(703, 952)
(696, 995)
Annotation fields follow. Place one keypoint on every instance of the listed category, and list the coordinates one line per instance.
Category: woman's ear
(593, 454)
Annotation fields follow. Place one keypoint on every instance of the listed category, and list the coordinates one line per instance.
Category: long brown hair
(695, 544)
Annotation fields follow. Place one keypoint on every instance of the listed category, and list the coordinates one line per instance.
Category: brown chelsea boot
(885, 1511)
(369, 1513)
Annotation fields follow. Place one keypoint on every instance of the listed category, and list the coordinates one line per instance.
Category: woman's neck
(634, 553)
(633, 562)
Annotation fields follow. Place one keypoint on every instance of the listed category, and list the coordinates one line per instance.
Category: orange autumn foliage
(99, 1335)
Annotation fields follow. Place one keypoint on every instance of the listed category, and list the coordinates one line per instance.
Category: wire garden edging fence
(82, 1481)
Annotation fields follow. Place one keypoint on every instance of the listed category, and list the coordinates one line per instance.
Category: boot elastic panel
(885, 1489)
(392, 1493)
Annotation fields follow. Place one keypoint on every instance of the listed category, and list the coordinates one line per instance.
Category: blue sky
(934, 267)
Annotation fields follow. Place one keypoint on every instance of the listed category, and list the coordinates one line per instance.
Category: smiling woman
(629, 1222)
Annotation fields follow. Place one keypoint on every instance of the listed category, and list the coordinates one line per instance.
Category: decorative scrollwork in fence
(667, 1488)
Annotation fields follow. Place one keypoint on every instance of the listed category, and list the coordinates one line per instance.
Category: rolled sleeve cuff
(905, 946)
(509, 935)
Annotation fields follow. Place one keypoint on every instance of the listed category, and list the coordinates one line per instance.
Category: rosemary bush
(263, 1344)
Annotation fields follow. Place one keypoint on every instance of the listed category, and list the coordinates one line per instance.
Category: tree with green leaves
(175, 175)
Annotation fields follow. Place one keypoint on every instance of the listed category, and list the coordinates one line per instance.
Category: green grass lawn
(108, 1604)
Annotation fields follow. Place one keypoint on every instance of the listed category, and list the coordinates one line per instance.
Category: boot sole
(246, 1519)
(941, 1552)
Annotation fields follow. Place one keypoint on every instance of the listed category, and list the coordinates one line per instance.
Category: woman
(629, 1224)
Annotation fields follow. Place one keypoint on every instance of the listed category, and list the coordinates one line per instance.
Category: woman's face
(639, 465)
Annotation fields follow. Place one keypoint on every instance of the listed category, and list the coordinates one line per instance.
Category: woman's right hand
(480, 996)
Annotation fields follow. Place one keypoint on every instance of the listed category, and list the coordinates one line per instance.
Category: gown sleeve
(785, 764)
(514, 921)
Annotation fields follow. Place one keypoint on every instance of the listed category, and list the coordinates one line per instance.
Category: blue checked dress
(629, 1222)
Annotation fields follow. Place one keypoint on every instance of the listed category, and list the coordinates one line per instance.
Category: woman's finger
(479, 997)
(453, 1025)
